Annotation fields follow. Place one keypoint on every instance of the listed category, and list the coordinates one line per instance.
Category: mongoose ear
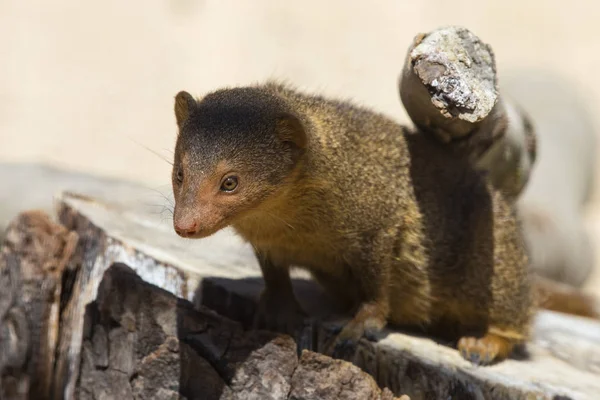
(290, 129)
(184, 105)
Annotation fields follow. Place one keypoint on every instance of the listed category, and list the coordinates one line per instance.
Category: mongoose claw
(343, 349)
(484, 351)
(343, 345)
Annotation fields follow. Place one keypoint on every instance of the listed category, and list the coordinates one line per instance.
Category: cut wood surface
(221, 273)
(449, 83)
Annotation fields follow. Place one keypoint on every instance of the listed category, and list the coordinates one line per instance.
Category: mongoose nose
(187, 228)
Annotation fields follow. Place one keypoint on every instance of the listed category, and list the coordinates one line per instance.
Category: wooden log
(33, 269)
(449, 89)
(220, 273)
(142, 342)
(134, 339)
(530, 132)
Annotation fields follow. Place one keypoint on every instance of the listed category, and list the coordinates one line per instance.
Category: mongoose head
(236, 149)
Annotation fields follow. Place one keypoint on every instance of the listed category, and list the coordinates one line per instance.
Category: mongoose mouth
(198, 222)
(201, 233)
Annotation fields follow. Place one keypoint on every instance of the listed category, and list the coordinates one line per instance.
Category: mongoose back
(391, 224)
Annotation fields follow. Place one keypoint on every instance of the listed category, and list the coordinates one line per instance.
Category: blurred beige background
(86, 85)
(79, 80)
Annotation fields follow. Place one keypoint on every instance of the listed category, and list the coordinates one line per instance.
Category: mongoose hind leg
(485, 350)
(370, 319)
(508, 321)
(508, 296)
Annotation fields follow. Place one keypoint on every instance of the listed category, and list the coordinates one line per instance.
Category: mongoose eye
(179, 175)
(229, 184)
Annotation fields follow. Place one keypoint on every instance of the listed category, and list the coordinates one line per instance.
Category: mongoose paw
(486, 350)
(344, 344)
(279, 313)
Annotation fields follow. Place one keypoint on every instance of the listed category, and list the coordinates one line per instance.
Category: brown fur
(389, 222)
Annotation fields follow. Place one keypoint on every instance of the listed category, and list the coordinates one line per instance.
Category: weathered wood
(33, 266)
(137, 340)
(142, 342)
(221, 273)
(449, 88)
(449, 83)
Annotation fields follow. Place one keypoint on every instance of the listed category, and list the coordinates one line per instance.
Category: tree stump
(134, 340)
(141, 312)
(142, 342)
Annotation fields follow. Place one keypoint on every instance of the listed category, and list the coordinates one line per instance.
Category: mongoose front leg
(511, 308)
(370, 319)
(509, 316)
(278, 308)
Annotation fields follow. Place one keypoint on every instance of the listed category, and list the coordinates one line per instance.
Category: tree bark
(33, 268)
